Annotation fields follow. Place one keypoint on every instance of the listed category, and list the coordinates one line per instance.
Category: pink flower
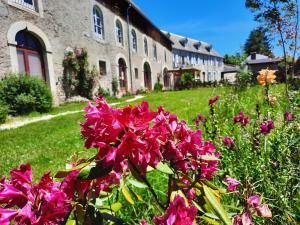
(213, 100)
(232, 183)
(264, 211)
(143, 222)
(289, 116)
(267, 126)
(241, 118)
(36, 204)
(199, 119)
(244, 219)
(253, 200)
(228, 142)
(177, 214)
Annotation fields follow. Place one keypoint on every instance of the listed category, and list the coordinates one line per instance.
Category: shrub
(158, 87)
(187, 80)
(244, 79)
(25, 94)
(3, 113)
(115, 86)
(103, 92)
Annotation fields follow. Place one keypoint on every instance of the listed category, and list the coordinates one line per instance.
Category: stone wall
(70, 23)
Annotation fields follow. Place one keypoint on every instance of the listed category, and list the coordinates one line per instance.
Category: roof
(191, 45)
(230, 68)
(138, 19)
(261, 59)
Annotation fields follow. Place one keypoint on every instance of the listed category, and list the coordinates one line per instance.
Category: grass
(49, 144)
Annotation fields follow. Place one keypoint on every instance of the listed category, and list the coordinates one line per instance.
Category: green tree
(281, 19)
(258, 42)
(236, 59)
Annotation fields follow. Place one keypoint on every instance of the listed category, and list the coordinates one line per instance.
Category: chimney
(253, 55)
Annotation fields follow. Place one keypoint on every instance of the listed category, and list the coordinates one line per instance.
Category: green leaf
(136, 183)
(210, 221)
(64, 173)
(94, 171)
(127, 195)
(209, 158)
(71, 222)
(116, 206)
(216, 205)
(164, 168)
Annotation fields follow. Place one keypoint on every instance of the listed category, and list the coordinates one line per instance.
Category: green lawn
(47, 145)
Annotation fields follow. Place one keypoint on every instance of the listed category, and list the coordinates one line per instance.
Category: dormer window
(208, 48)
(29, 4)
(197, 45)
(183, 42)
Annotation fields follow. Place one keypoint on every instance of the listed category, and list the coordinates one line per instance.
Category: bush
(244, 79)
(103, 92)
(115, 86)
(187, 80)
(25, 94)
(3, 113)
(158, 87)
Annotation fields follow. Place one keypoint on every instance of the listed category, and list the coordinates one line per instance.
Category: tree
(258, 42)
(236, 59)
(281, 18)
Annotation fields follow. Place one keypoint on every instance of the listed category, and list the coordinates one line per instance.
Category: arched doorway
(166, 76)
(147, 76)
(30, 55)
(122, 75)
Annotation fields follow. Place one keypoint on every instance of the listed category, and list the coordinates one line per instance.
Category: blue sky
(224, 23)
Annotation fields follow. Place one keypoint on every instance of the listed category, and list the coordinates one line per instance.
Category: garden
(222, 155)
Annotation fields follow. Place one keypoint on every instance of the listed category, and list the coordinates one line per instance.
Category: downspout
(129, 47)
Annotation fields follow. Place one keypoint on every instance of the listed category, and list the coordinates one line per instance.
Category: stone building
(121, 41)
(256, 62)
(195, 56)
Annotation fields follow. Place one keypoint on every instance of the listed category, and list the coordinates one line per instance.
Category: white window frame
(119, 32)
(98, 27)
(134, 41)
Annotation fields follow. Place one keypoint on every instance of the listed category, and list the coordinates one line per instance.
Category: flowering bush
(133, 143)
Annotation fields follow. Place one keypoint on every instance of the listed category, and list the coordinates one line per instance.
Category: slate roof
(230, 68)
(261, 59)
(191, 45)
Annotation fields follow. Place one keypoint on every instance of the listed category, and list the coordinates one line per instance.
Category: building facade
(120, 40)
(196, 56)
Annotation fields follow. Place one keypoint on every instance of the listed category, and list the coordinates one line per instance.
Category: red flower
(34, 204)
(213, 100)
(177, 214)
(228, 142)
(241, 118)
(267, 126)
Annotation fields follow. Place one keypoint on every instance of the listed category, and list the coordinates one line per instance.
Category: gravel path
(27, 121)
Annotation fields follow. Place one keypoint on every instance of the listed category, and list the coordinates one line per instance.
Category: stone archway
(46, 53)
(147, 76)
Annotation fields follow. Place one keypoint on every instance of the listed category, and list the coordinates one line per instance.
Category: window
(146, 46)
(119, 32)
(165, 56)
(29, 4)
(102, 68)
(155, 51)
(136, 73)
(134, 40)
(30, 55)
(98, 22)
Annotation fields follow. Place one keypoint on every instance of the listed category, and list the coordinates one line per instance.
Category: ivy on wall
(78, 78)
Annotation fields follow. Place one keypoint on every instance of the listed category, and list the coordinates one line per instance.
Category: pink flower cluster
(27, 203)
(228, 142)
(213, 100)
(144, 138)
(267, 126)
(232, 183)
(177, 214)
(241, 118)
(289, 116)
(253, 205)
